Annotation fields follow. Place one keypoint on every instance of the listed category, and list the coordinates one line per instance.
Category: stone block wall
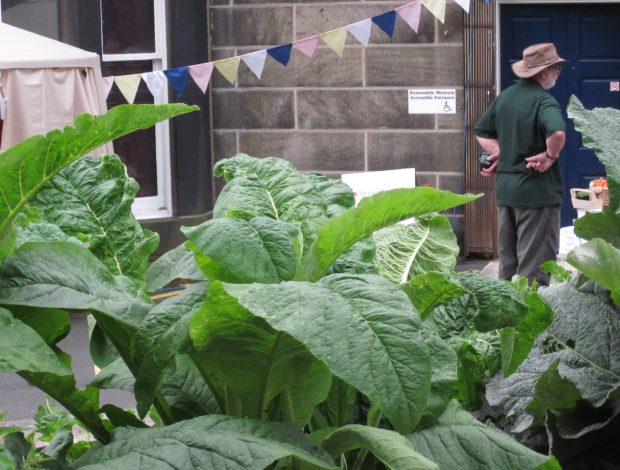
(337, 115)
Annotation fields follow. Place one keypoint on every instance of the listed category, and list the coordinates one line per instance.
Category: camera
(484, 163)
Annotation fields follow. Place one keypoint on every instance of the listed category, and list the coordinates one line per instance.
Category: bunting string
(255, 61)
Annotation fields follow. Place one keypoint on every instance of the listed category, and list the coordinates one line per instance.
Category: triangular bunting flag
(107, 86)
(201, 73)
(255, 61)
(410, 13)
(128, 84)
(386, 22)
(361, 30)
(307, 45)
(464, 4)
(437, 8)
(335, 40)
(281, 53)
(228, 67)
(155, 82)
(178, 78)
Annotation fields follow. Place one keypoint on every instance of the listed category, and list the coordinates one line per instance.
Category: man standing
(524, 132)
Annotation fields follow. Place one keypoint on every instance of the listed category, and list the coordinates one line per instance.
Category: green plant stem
(374, 417)
(233, 405)
(262, 405)
(96, 428)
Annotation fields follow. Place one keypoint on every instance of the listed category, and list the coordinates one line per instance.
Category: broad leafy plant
(280, 352)
(569, 384)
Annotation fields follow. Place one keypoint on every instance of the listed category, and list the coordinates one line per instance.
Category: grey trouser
(526, 239)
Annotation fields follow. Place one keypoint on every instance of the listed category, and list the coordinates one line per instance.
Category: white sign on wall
(371, 182)
(432, 101)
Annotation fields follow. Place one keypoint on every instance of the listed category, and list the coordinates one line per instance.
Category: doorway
(586, 34)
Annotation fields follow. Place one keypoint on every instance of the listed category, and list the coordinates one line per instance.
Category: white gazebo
(44, 85)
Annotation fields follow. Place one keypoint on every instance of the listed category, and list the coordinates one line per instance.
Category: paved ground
(19, 400)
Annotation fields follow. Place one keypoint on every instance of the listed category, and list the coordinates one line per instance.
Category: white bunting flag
(107, 86)
(155, 82)
(361, 30)
(464, 4)
(255, 61)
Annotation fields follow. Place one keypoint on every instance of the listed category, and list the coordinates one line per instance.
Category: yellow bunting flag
(335, 39)
(228, 68)
(437, 8)
(128, 85)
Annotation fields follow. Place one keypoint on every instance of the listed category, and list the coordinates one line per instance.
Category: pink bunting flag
(107, 86)
(201, 73)
(410, 13)
(307, 45)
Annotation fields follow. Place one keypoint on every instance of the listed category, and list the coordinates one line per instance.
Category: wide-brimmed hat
(536, 58)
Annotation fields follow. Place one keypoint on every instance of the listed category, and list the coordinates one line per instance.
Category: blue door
(588, 35)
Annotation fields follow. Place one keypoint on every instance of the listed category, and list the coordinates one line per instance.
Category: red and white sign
(614, 86)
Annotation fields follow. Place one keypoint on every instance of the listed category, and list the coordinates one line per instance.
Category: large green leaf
(444, 379)
(374, 212)
(337, 408)
(459, 441)
(426, 244)
(600, 130)
(265, 362)
(584, 337)
(205, 443)
(26, 167)
(186, 392)
(178, 263)
(272, 187)
(500, 305)
(235, 250)
(22, 349)
(518, 341)
(64, 275)
(51, 324)
(114, 376)
(83, 404)
(599, 261)
(604, 225)
(164, 334)
(91, 199)
(392, 449)
(363, 327)
(429, 290)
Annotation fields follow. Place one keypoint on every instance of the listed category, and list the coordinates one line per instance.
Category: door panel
(588, 35)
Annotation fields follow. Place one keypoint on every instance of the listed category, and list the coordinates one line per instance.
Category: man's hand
(540, 162)
(494, 158)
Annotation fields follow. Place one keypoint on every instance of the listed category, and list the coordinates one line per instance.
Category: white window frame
(160, 205)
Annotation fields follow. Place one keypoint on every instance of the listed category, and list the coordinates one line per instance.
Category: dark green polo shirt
(521, 118)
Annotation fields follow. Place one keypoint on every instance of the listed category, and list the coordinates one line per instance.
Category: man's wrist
(551, 157)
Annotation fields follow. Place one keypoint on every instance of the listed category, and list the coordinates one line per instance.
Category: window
(132, 39)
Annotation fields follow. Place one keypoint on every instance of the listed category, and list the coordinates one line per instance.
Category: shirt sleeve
(485, 127)
(550, 116)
